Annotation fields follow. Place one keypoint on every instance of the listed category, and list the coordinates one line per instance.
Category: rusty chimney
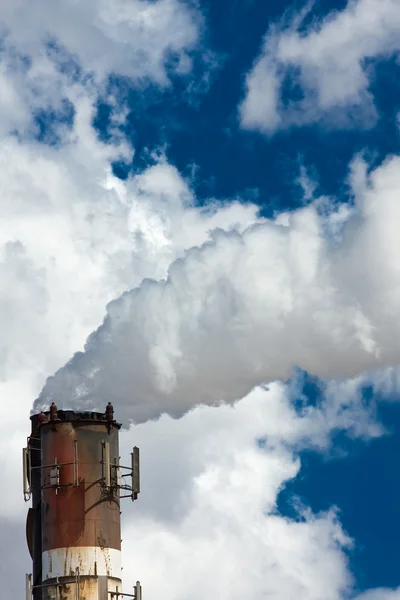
(73, 476)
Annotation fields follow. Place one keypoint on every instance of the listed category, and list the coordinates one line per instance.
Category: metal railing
(55, 584)
(136, 596)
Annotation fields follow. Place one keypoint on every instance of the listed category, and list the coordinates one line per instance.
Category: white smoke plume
(317, 288)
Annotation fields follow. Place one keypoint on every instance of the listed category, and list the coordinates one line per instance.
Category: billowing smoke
(318, 289)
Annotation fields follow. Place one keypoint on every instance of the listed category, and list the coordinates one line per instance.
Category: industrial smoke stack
(73, 475)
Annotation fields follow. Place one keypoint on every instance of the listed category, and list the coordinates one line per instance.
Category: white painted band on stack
(90, 560)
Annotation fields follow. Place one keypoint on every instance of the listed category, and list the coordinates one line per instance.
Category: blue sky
(205, 131)
(198, 219)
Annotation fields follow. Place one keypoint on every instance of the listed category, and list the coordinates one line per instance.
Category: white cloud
(380, 594)
(260, 109)
(247, 307)
(66, 51)
(134, 38)
(329, 61)
(72, 237)
(214, 530)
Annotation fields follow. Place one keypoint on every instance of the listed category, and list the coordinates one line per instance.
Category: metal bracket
(28, 579)
(134, 473)
(106, 464)
(26, 468)
(111, 473)
(54, 472)
(137, 595)
(77, 584)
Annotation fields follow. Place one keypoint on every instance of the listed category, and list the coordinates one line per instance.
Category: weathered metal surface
(63, 562)
(90, 588)
(74, 526)
(85, 515)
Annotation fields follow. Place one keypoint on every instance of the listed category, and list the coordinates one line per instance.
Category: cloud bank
(216, 529)
(247, 307)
